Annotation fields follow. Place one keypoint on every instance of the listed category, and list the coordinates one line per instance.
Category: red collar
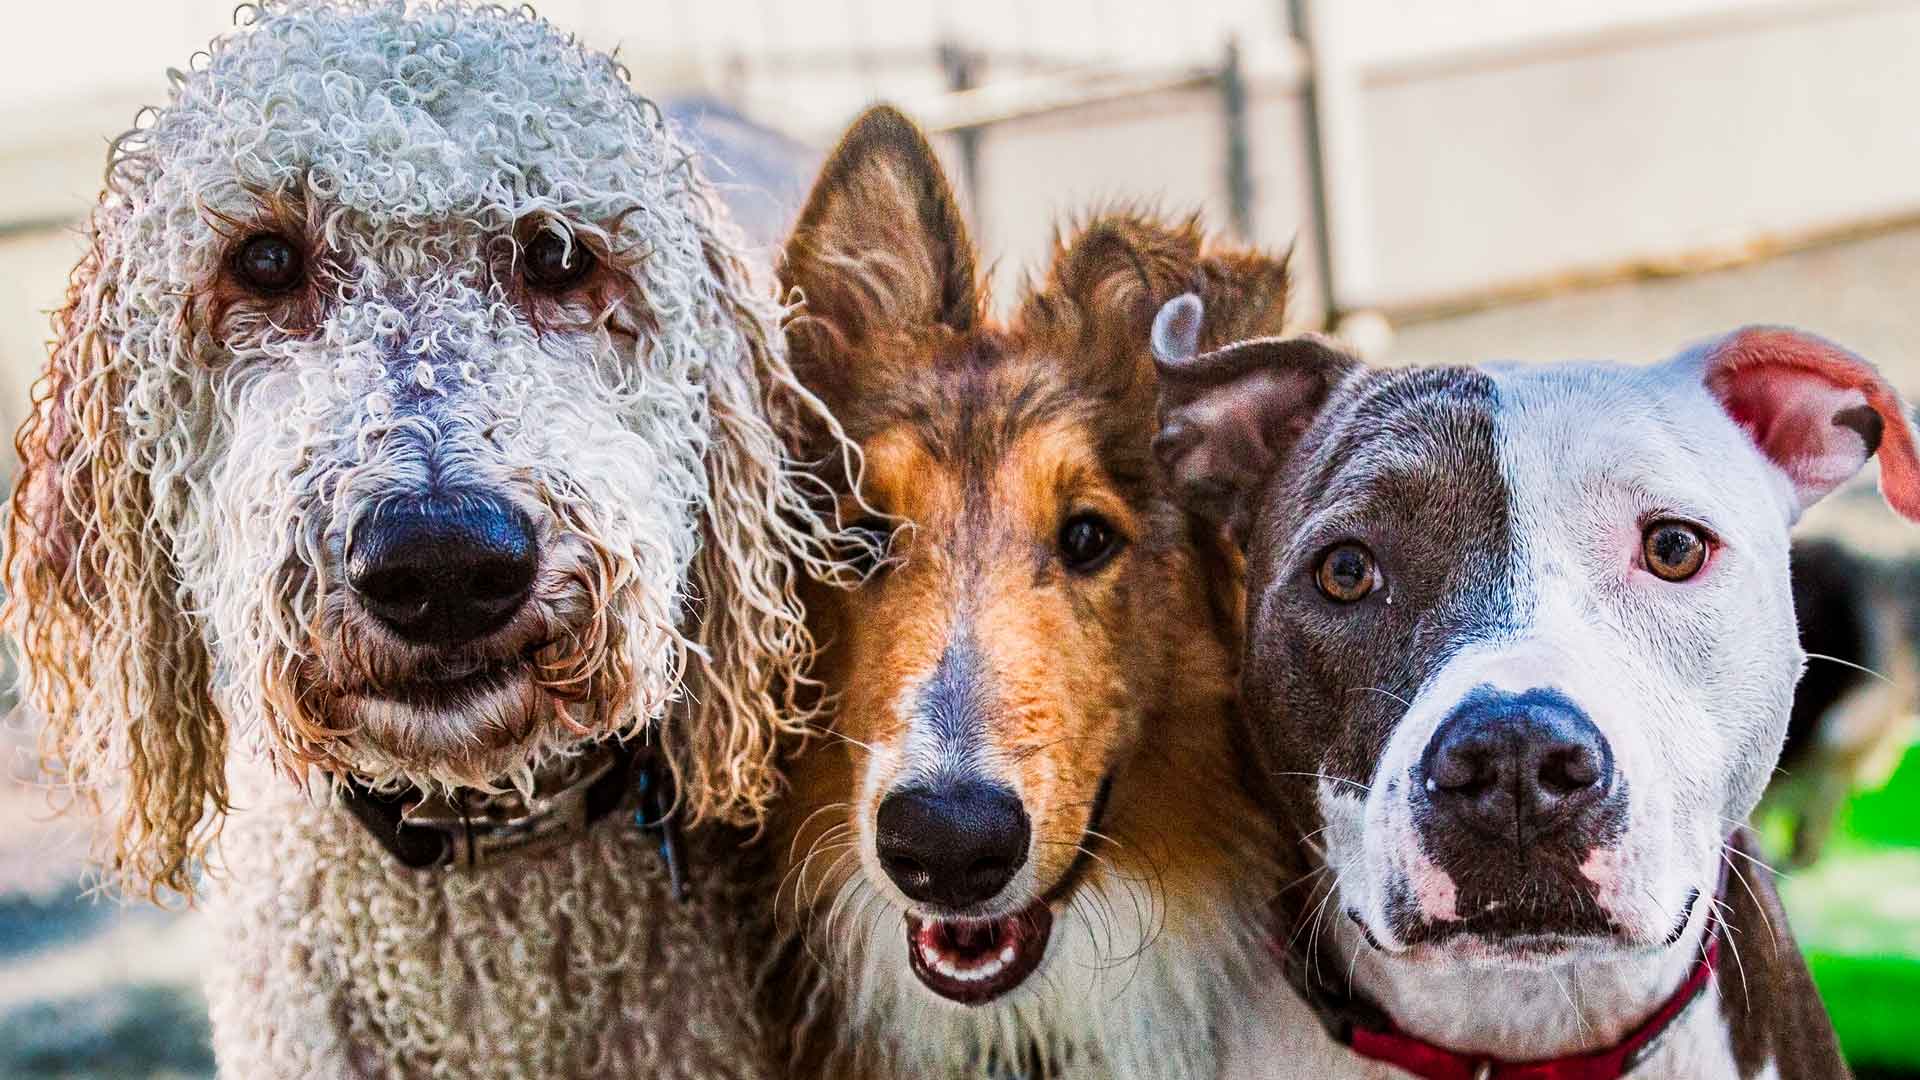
(1366, 1029)
(1423, 1059)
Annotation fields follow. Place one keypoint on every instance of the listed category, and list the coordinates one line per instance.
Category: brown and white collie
(1024, 844)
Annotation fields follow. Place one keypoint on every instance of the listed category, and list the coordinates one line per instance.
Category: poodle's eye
(1087, 542)
(268, 263)
(554, 262)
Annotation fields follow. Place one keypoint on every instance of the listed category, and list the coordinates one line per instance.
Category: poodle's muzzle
(493, 562)
(445, 572)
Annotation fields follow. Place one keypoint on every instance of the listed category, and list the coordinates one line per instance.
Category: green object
(1857, 915)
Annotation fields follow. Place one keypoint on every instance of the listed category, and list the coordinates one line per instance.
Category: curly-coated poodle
(412, 489)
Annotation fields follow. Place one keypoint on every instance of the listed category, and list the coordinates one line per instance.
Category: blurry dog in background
(1853, 712)
(1023, 845)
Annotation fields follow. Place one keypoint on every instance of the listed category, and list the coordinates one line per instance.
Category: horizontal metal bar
(1014, 99)
(1625, 34)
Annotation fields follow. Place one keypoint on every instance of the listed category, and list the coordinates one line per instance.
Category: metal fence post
(1297, 17)
(1233, 104)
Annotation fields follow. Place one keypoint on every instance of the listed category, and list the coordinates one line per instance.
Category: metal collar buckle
(481, 825)
(470, 828)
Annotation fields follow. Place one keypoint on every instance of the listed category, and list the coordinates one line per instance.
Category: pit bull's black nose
(1518, 767)
(955, 844)
(443, 568)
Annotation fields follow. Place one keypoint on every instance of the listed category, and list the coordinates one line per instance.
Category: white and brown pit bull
(1519, 662)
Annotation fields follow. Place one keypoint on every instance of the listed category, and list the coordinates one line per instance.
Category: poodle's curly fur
(201, 448)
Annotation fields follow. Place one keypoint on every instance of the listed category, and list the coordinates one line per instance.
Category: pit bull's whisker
(1862, 668)
(800, 830)
(1378, 690)
(1363, 788)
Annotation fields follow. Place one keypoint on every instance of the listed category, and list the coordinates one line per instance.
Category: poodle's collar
(468, 828)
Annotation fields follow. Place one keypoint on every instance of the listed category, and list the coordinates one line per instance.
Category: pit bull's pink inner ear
(1817, 412)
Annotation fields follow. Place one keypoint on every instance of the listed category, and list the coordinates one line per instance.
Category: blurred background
(1501, 179)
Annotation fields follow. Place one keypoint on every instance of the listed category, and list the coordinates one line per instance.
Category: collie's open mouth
(973, 961)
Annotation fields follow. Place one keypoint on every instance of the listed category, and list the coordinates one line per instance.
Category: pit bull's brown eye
(1347, 573)
(554, 262)
(1087, 542)
(1673, 550)
(268, 263)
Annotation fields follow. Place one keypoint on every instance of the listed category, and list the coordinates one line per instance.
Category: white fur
(1690, 684)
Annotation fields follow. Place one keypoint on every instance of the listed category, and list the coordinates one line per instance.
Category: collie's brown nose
(953, 844)
(444, 568)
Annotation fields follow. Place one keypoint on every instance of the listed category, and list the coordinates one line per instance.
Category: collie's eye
(1347, 573)
(554, 262)
(869, 545)
(1087, 542)
(268, 263)
(1673, 550)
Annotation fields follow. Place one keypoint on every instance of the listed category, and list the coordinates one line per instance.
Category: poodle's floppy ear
(1230, 417)
(760, 534)
(1815, 411)
(880, 249)
(115, 671)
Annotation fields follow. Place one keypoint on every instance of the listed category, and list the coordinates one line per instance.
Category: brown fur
(90, 584)
(982, 438)
(1768, 1000)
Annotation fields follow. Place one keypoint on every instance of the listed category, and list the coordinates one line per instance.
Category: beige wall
(1734, 126)
(33, 273)
(1167, 150)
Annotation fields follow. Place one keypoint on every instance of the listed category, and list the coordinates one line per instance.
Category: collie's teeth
(985, 969)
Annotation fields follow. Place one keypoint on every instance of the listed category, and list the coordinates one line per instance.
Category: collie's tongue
(975, 961)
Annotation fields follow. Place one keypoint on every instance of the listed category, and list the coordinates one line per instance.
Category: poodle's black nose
(443, 568)
(955, 844)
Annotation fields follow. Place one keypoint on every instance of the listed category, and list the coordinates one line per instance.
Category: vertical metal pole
(963, 73)
(1233, 104)
(1298, 16)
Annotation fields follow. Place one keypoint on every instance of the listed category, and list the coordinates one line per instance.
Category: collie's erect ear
(1244, 295)
(1815, 411)
(111, 665)
(1229, 418)
(1109, 278)
(879, 249)
(1114, 272)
